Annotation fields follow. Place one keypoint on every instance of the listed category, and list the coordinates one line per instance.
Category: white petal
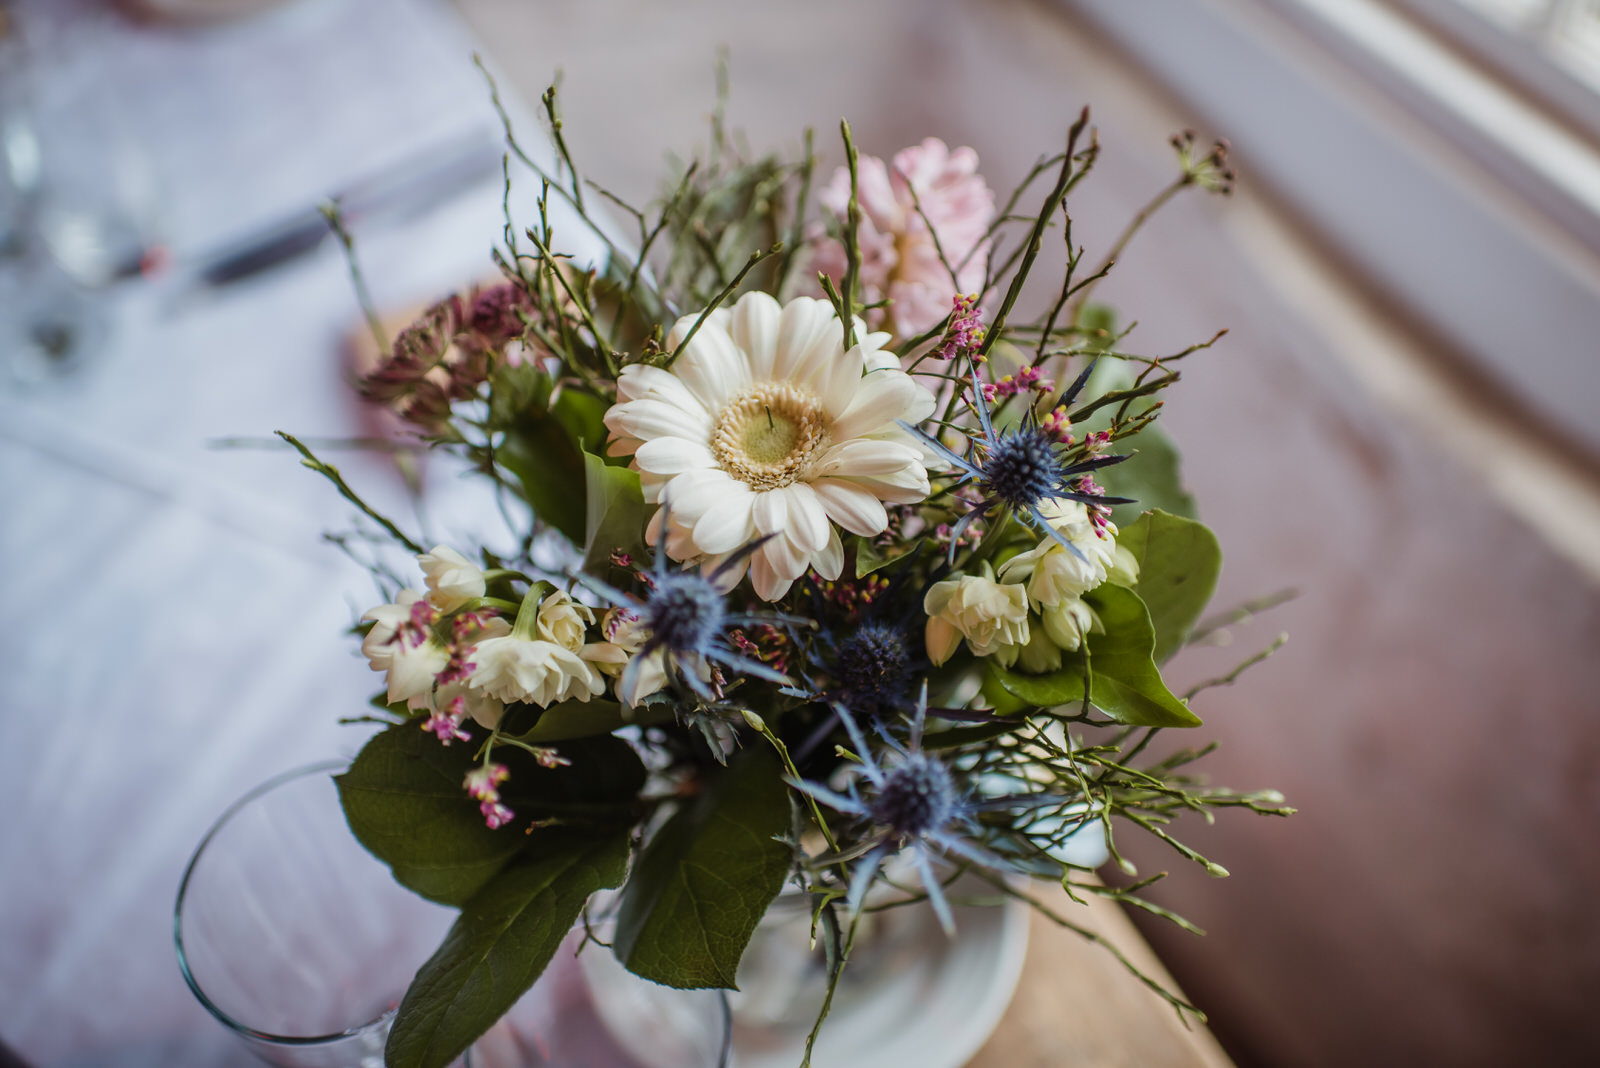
(837, 381)
(646, 419)
(672, 456)
(770, 511)
(726, 524)
(712, 366)
(829, 563)
(692, 492)
(804, 321)
(851, 506)
(768, 586)
(808, 518)
(755, 330)
(880, 399)
(867, 458)
(896, 491)
(785, 558)
(639, 382)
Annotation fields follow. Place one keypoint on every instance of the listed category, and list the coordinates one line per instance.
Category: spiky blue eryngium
(911, 801)
(1021, 468)
(873, 668)
(686, 614)
(917, 796)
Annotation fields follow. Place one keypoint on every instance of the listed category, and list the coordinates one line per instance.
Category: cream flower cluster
(542, 668)
(478, 663)
(765, 424)
(1032, 609)
(402, 641)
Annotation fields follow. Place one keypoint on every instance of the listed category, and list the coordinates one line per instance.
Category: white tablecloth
(175, 622)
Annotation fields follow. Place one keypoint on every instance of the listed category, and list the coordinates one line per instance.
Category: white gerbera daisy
(765, 424)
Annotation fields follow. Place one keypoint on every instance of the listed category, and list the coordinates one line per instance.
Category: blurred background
(1401, 425)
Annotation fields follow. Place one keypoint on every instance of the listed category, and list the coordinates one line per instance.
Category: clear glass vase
(293, 935)
(300, 942)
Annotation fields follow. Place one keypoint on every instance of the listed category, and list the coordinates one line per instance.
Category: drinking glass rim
(305, 771)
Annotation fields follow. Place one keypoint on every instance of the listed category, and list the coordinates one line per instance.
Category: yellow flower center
(768, 434)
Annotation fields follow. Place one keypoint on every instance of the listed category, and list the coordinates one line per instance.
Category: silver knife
(407, 190)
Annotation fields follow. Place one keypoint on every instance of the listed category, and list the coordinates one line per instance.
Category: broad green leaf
(1124, 681)
(615, 514)
(698, 889)
(870, 557)
(404, 800)
(549, 466)
(502, 942)
(954, 737)
(1179, 561)
(582, 416)
(545, 448)
(581, 719)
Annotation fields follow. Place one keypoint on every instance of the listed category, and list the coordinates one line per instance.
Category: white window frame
(1457, 199)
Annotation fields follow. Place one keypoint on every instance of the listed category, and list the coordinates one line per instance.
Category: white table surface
(176, 624)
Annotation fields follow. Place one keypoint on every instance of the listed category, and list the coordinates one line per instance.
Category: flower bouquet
(834, 573)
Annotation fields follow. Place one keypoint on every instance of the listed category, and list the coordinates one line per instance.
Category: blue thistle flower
(911, 801)
(1021, 468)
(873, 668)
(687, 615)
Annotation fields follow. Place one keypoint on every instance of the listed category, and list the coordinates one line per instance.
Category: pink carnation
(898, 257)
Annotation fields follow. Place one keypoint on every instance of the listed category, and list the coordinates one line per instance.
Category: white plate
(928, 1001)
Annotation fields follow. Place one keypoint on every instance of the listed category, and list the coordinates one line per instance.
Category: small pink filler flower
(899, 259)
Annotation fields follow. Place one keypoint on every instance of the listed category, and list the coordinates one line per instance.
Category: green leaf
(582, 416)
(615, 514)
(548, 466)
(502, 942)
(954, 737)
(1124, 681)
(404, 800)
(544, 450)
(704, 881)
(870, 557)
(581, 719)
(1179, 561)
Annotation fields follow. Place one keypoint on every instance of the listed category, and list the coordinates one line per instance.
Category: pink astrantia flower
(899, 258)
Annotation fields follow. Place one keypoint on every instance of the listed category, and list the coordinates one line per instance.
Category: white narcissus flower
(1054, 573)
(1068, 622)
(513, 669)
(564, 621)
(412, 668)
(624, 636)
(387, 619)
(479, 706)
(989, 614)
(765, 424)
(1038, 656)
(395, 644)
(649, 678)
(453, 580)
